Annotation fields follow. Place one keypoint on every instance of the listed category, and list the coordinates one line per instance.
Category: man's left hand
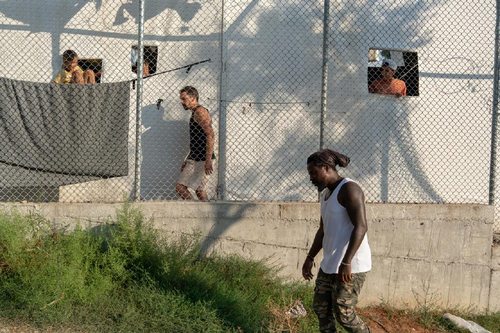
(345, 275)
(209, 167)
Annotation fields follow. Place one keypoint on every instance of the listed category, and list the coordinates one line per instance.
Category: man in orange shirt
(387, 84)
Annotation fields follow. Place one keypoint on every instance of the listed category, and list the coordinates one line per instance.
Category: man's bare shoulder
(202, 117)
(351, 190)
(200, 110)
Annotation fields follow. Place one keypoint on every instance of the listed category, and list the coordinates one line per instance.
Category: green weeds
(124, 277)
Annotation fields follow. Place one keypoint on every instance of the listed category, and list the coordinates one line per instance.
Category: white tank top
(338, 228)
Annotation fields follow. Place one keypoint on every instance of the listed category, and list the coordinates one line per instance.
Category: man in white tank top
(342, 236)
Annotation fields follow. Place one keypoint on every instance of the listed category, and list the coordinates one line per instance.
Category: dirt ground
(380, 321)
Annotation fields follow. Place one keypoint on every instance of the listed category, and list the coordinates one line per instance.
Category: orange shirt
(394, 87)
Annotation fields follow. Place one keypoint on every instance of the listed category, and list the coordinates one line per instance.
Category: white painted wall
(434, 147)
(35, 34)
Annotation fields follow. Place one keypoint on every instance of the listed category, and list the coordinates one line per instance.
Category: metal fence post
(221, 192)
(138, 114)
(324, 77)
(324, 80)
(494, 116)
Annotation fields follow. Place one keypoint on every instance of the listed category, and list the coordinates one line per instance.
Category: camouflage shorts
(332, 298)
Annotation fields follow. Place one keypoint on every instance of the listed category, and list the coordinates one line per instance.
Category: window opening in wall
(94, 65)
(150, 59)
(393, 72)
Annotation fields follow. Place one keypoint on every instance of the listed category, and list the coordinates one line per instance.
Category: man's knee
(344, 314)
(180, 188)
(347, 318)
(322, 306)
(322, 303)
(78, 77)
(89, 76)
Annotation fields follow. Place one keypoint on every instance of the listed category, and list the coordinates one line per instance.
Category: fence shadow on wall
(358, 117)
(370, 128)
(288, 162)
(55, 23)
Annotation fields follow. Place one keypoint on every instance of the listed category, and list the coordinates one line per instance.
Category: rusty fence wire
(406, 89)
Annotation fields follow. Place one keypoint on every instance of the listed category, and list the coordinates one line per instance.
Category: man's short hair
(69, 55)
(191, 91)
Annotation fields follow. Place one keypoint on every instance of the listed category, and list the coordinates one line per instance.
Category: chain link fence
(432, 145)
(404, 88)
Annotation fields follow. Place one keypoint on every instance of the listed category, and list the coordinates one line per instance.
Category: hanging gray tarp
(70, 129)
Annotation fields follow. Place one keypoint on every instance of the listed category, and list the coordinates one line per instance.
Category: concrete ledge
(300, 211)
(433, 212)
(443, 252)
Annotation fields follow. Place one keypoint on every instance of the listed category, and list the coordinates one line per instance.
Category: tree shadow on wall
(53, 16)
(263, 69)
(370, 127)
(274, 57)
(186, 10)
(46, 16)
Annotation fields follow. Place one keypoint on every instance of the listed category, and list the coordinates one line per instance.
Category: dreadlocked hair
(328, 157)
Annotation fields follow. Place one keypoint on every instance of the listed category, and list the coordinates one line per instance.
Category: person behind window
(71, 72)
(145, 69)
(387, 84)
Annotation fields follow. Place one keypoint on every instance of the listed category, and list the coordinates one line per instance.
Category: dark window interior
(93, 64)
(150, 56)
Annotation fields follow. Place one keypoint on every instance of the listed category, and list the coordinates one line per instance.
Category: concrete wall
(441, 254)
(495, 279)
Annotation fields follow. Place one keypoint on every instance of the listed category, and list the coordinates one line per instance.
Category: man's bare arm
(353, 199)
(317, 244)
(315, 248)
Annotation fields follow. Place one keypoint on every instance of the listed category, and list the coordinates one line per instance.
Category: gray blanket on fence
(70, 129)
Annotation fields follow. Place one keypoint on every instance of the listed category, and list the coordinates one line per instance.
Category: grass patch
(124, 277)
(491, 322)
